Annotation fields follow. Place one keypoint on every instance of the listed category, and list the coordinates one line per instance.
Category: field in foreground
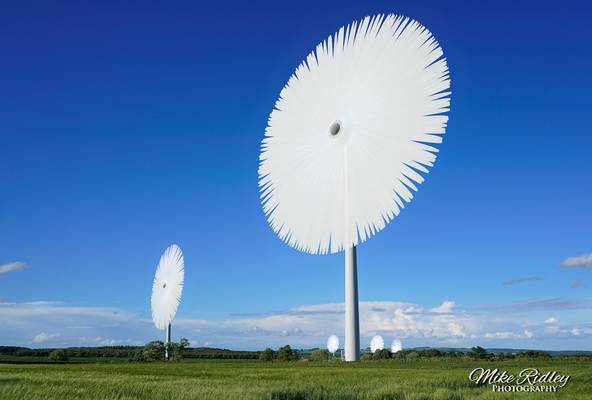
(209, 379)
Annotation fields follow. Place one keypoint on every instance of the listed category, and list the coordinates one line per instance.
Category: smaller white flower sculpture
(333, 344)
(168, 286)
(377, 343)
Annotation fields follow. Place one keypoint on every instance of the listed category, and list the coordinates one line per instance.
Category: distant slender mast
(167, 343)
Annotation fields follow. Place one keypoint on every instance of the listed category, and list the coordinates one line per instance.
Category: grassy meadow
(244, 379)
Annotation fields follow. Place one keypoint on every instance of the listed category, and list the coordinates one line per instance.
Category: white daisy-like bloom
(396, 346)
(352, 132)
(377, 343)
(167, 286)
(333, 344)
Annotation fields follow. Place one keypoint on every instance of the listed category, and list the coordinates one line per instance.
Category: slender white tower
(348, 139)
(167, 342)
(352, 317)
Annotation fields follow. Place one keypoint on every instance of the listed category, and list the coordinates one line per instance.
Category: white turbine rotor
(333, 344)
(377, 343)
(351, 132)
(167, 286)
(396, 346)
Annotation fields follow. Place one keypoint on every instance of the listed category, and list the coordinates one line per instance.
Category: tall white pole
(168, 342)
(352, 319)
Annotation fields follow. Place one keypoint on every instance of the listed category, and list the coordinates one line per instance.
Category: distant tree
(431, 353)
(58, 356)
(154, 351)
(286, 354)
(382, 354)
(478, 352)
(319, 355)
(412, 355)
(366, 357)
(266, 355)
(533, 354)
(138, 356)
(178, 349)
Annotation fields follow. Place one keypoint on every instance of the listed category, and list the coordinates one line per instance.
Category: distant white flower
(396, 346)
(167, 286)
(377, 343)
(333, 343)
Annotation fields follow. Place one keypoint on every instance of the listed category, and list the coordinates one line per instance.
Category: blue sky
(124, 128)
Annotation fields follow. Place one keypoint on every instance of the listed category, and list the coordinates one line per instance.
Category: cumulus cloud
(551, 320)
(513, 281)
(500, 335)
(456, 329)
(506, 335)
(553, 329)
(528, 334)
(583, 261)
(13, 266)
(45, 337)
(445, 307)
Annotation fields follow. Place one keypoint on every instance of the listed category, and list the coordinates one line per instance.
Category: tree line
(155, 351)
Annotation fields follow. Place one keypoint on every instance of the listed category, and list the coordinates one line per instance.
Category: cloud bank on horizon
(523, 324)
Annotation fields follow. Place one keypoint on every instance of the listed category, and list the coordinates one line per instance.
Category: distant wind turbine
(377, 343)
(396, 346)
(167, 289)
(333, 344)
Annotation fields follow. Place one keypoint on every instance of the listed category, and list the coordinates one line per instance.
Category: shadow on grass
(10, 381)
(289, 395)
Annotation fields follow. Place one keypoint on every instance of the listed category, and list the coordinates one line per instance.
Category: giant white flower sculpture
(349, 137)
(167, 289)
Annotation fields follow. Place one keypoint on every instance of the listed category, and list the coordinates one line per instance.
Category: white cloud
(583, 261)
(456, 329)
(445, 307)
(45, 337)
(500, 335)
(13, 266)
(532, 305)
(507, 335)
(528, 334)
(551, 320)
(552, 330)
(513, 281)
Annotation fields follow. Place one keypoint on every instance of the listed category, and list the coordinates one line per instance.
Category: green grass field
(211, 379)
